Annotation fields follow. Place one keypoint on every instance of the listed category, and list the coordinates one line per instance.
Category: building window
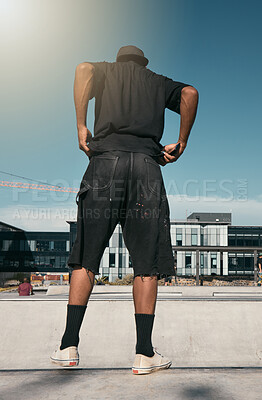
(57, 262)
(255, 240)
(112, 260)
(6, 245)
(249, 263)
(14, 245)
(6, 262)
(31, 245)
(231, 239)
(52, 262)
(248, 240)
(201, 260)
(27, 263)
(63, 262)
(22, 245)
(42, 245)
(213, 261)
(60, 245)
(179, 237)
(14, 263)
(194, 237)
(188, 261)
(240, 240)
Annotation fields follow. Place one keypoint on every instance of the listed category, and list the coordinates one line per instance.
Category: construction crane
(35, 186)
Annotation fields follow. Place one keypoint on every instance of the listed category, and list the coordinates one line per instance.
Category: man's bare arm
(83, 85)
(188, 110)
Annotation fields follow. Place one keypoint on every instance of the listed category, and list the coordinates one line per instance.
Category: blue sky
(214, 46)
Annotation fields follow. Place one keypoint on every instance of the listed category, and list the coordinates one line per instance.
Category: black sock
(75, 315)
(144, 326)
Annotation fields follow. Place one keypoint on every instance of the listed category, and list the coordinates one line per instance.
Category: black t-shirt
(130, 102)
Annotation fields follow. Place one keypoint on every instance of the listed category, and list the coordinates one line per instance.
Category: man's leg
(144, 296)
(81, 285)
(140, 228)
(96, 221)
(145, 232)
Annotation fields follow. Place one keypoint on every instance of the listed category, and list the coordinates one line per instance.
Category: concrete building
(201, 229)
(243, 236)
(23, 251)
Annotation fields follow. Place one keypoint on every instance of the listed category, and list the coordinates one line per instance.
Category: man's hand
(167, 159)
(188, 109)
(84, 136)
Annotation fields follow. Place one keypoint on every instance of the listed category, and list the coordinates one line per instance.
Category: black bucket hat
(127, 53)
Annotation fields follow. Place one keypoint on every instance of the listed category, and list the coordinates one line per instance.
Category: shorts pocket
(154, 176)
(100, 172)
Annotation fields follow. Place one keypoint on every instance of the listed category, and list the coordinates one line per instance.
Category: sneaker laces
(155, 351)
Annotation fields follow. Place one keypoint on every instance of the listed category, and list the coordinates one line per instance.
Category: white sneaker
(68, 357)
(146, 365)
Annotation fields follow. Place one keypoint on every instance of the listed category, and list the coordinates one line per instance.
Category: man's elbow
(85, 67)
(190, 92)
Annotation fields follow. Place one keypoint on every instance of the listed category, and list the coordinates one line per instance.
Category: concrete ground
(227, 319)
(175, 384)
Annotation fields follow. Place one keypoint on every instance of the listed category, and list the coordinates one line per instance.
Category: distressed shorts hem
(158, 274)
(92, 269)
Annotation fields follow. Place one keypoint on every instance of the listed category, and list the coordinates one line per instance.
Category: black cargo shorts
(125, 187)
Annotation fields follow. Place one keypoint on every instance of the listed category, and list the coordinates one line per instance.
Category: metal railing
(221, 249)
